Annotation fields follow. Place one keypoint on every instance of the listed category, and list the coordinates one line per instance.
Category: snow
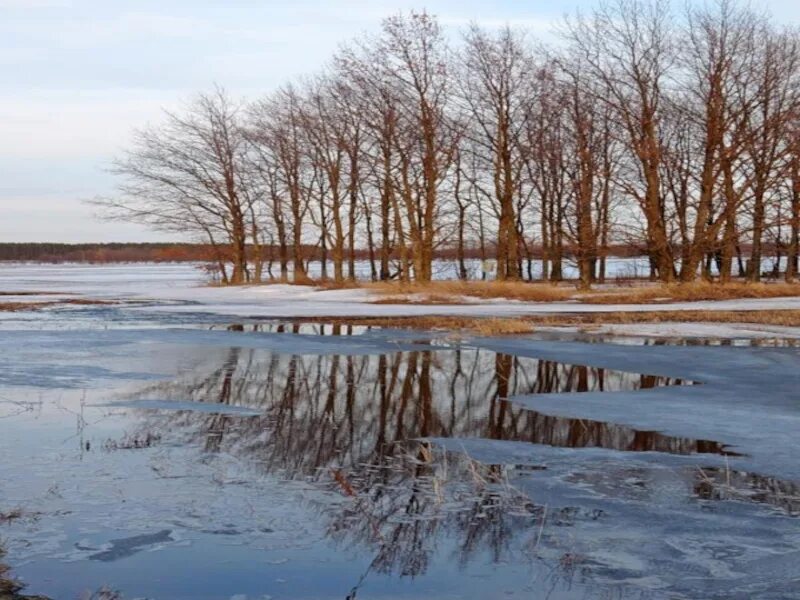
(302, 301)
(181, 289)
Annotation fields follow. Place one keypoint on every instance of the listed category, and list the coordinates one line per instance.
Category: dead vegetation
(12, 515)
(25, 306)
(89, 302)
(19, 306)
(528, 323)
(10, 587)
(474, 325)
(497, 326)
(132, 442)
(423, 299)
(18, 514)
(32, 293)
(457, 292)
(104, 593)
(691, 292)
(484, 290)
(785, 318)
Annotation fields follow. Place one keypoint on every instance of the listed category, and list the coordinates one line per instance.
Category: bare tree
(416, 65)
(776, 60)
(276, 127)
(496, 89)
(628, 44)
(190, 175)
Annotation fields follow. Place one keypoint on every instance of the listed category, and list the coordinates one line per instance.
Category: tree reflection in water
(401, 505)
(352, 422)
(323, 411)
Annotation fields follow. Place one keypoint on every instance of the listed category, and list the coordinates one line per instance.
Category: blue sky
(77, 76)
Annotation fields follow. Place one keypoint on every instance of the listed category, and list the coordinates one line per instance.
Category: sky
(78, 76)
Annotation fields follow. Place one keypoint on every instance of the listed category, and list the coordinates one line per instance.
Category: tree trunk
(754, 268)
(794, 235)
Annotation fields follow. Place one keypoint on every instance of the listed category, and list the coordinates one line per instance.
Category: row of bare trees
(673, 132)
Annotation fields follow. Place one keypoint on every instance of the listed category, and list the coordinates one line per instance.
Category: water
(150, 456)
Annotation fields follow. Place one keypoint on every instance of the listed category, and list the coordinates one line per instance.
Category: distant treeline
(186, 252)
(104, 253)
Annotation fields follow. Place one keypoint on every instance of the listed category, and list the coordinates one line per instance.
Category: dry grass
(476, 325)
(8, 587)
(89, 302)
(18, 306)
(497, 326)
(23, 306)
(31, 293)
(453, 292)
(319, 283)
(485, 290)
(691, 292)
(425, 299)
(332, 284)
(456, 291)
(527, 323)
(12, 515)
(786, 318)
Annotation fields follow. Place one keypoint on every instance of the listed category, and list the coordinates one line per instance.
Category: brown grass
(451, 292)
(476, 325)
(527, 323)
(786, 318)
(691, 292)
(332, 284)
(322, 284)
(454, 291)
(30, 293)
(486, 290)
(21, 306)
(89, 302)
(18, 306)
(426, 299)
(8, 587)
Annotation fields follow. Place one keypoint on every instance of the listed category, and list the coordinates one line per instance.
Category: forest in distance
(673, 131)
(122, 252)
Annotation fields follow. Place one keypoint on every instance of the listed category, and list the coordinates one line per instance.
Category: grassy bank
(529, 323)
(460, 292)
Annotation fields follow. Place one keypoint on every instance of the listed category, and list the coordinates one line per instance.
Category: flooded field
(148, 454)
